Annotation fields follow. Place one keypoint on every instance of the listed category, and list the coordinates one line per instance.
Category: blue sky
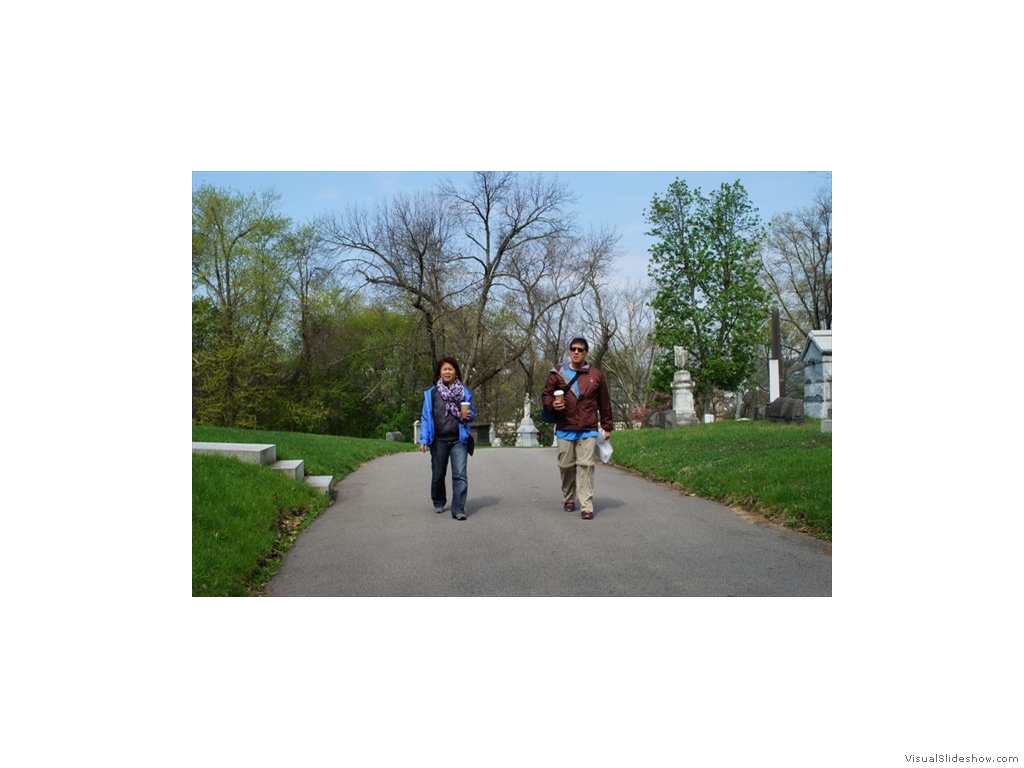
(612, 199)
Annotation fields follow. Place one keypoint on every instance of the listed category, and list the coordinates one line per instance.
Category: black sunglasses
(577, 349)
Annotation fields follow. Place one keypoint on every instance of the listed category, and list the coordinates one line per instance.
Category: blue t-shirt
(568, 434)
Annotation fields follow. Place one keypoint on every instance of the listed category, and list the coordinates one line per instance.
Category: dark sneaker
(587, 514)
(460, 516)
(569, 506)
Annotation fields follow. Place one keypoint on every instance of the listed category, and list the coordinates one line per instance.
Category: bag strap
(571, 381)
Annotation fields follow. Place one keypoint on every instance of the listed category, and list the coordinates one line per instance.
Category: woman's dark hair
(452, 362)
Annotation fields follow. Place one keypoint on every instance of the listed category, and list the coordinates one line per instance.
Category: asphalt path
(381, 537)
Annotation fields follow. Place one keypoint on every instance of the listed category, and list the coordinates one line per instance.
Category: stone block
(293, 468)
(322, 483)
(661, 419)
(786, 409)
(250, 453)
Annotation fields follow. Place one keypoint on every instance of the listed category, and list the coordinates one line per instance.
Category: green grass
(782, 472)
(245, 517)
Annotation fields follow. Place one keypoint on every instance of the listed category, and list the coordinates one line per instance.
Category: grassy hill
(245, 517)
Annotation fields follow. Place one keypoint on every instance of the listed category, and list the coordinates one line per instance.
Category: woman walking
(444, 427)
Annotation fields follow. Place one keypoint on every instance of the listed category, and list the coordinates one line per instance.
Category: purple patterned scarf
(452, 396)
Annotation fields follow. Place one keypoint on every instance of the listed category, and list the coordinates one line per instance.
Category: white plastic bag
(604, 448)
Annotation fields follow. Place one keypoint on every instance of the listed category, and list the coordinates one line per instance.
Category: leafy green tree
(369, 370)
(708, 297)
(239, 279)
(386, 371)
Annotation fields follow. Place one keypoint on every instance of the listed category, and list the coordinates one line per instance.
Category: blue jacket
(427, 417)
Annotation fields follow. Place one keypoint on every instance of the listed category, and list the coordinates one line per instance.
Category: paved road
(381, 537)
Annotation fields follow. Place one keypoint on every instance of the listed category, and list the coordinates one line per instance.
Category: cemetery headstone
(786, 409)
(682, 391)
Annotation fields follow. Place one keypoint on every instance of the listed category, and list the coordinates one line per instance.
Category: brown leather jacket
(580, 413)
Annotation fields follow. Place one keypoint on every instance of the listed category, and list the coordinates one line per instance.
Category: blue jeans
(440, 452)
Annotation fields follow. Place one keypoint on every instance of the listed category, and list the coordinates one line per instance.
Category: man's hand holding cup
(559, 399)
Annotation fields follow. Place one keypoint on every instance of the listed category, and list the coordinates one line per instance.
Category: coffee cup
(559, 396)
(465, 410)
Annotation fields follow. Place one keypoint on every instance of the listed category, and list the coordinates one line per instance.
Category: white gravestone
(682, 391)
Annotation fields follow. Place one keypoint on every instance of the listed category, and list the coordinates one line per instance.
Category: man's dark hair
(452, 362)
(582, 341)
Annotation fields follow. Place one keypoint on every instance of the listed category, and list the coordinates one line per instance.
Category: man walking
(583, 410)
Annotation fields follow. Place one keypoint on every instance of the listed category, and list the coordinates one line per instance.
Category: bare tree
(402, 250)
(797, 262)
(519, 246)
(554, 330)
(598, 304)
(487, 263)
(312, 275)
(629, 360)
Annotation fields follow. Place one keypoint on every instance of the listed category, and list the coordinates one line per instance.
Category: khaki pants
(576, 463)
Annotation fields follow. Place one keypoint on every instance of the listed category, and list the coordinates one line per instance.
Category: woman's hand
(422, 448)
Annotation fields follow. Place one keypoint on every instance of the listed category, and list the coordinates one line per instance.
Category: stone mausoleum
(817, 359)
